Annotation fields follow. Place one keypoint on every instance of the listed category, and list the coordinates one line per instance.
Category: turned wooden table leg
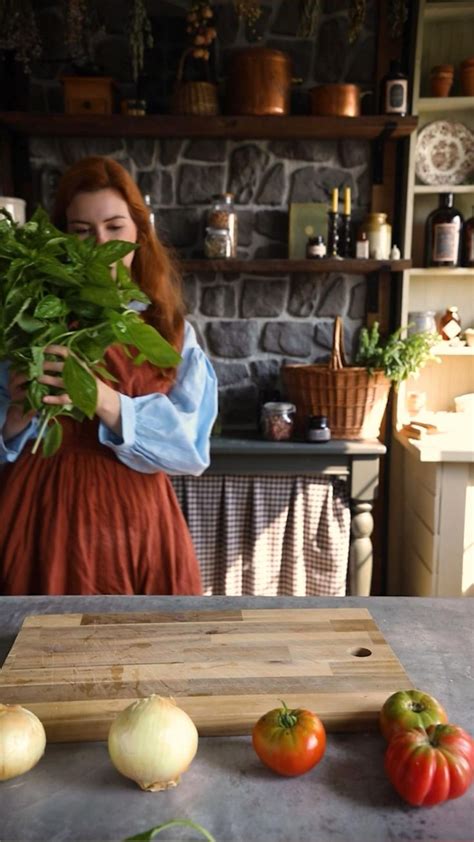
(361, 551)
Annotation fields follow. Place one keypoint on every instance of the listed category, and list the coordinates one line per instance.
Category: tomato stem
(287, 718)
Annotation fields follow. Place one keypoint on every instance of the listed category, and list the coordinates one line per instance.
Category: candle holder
(345, 246)
(333, 233)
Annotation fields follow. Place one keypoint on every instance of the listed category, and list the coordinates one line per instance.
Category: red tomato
(410, 709)
(428, 767)
(290, 742)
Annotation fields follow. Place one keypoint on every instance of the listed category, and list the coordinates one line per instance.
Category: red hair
(153, 267)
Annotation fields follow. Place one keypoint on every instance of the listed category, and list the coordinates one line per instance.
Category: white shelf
(428, 189)
(453, 351)
(445, 103)
(442, 272)
(447, 11)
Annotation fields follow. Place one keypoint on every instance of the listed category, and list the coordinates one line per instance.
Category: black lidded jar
(317, 429)
(443, 232)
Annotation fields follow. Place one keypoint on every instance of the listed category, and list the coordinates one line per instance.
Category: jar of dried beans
(217, 243)
(278, 421)
(222, 215)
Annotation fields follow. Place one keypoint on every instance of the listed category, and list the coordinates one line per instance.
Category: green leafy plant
(154, 831)
(397, 357)
(56, 288)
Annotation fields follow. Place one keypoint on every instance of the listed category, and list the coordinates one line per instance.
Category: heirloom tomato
(428, 767)
(290, 742)
(410, 709)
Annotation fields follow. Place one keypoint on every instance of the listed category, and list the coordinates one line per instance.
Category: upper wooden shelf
(159, 126)
(277, 266)
(449, 11)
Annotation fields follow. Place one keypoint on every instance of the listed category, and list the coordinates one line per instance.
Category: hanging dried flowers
(357, 13)
(199, 26)
(249, 11)
(81, 25)
(397, 17)
(310, 11)
(140, 36)
(19, 31)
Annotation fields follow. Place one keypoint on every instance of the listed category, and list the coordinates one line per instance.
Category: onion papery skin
(153, 742)
(22, 741)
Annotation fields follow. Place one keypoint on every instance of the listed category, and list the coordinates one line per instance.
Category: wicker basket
(193, 97)
(353, 400)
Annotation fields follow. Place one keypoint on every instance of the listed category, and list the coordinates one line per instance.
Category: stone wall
(249, 325)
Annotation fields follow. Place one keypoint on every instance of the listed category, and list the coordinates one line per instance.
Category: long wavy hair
(154, 268)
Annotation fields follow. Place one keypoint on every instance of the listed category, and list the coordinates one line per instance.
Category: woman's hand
(108, 401)
(16, 419)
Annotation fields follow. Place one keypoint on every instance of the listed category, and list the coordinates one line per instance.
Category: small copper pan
(335, 100)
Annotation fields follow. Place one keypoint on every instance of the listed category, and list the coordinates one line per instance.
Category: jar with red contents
(278, 421)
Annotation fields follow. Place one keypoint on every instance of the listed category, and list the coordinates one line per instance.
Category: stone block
(158, 185)
(314, 184)
(358, 301)
(204, 149)
(247, 165)
(323, 333)
(229, 374)
(197, 327)
(218, 301)
(73, 149)
(143, 152)
(170, 149)
(331, 50)
(273, 224)
(334, 300)
(233, 339)
(354, 153)
(272, 188)
(197, 185)
(238, 405)
(291, 338)
(178, 227)
(271, 251)
(246, 227)
(303, 294)
(317, 151)
(190, 293)
(263, 298)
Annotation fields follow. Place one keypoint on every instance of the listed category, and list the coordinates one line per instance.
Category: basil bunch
(56, 288)
(397, 357)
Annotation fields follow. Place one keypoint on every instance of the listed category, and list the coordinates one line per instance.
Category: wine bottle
(394, 91)
(468, 238)
(443, 234)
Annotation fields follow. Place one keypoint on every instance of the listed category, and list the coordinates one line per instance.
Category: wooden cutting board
(227, 668)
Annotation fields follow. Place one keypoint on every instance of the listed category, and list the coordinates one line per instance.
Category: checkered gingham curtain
(268, 535)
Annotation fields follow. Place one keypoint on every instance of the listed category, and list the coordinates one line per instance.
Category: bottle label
(396, 96)
(446, 242)
(451, 329)
(317, 250)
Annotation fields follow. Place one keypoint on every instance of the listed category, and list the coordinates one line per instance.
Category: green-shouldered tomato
(410, 709)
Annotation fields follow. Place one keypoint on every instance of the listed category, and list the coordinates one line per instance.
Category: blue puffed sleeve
(11, 449)
(170, 432)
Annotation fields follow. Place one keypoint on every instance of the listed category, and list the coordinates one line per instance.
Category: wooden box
(88, 94)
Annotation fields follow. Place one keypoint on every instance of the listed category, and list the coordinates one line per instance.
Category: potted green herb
(398, 357)
(56, 288)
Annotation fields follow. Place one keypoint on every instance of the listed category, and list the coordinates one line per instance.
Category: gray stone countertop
(75, 795)
(254, 444)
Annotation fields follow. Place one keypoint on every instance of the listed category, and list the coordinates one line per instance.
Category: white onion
(153, 742)
(22, 741)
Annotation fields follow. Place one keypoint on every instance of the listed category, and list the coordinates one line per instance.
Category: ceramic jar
(441, 79)
(466, 77)
(379, 235)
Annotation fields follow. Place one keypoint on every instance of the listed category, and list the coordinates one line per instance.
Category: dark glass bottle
(394, 91)
(443, 234)
(468, 241)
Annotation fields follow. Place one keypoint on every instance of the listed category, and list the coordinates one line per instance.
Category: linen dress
(82, 521)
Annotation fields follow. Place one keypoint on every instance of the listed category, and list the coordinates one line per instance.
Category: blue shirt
(159, 432)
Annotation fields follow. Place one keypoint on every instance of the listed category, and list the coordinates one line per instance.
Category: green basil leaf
(100, 275)
(35, 366)
(50, 307)
(102, 372)
(108, 253)
(29, 324)
(101, 296)
(130, 329)
(80, 386)
(53, 438)
(35, 394)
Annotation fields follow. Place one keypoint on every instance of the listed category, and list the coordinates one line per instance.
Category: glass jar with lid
(278, 419)
(222, 215)
(217, 243)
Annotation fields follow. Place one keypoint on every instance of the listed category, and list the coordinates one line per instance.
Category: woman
(101, 516)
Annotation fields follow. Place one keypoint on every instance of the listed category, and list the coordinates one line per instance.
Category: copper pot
(467, 77)
(335, 100)
(259, 82)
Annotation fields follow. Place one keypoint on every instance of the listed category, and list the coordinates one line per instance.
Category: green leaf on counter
(154, 831)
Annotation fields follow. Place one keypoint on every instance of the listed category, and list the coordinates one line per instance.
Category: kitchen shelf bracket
(378, 151)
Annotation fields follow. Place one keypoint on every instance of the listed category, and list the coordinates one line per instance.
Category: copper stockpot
(259, 82)
(335, 100)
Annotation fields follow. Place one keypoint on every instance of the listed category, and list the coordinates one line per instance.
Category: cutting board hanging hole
(361, 652)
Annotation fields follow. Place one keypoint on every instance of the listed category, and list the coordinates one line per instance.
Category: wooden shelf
(117, 125)
(441, 272)
(285, 266)
(428, 189)
(446, 11)
(445, 103)
(453, 351)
